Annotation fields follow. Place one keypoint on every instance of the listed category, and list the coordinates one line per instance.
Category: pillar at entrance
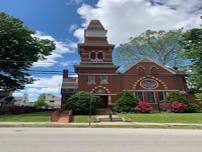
(109, 100)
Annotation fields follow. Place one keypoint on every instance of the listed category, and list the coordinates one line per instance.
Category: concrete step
(103, 111)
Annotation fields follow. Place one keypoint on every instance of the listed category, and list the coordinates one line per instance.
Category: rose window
(149, 84)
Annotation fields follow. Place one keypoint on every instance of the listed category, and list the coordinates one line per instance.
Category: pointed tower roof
(95, 35)
(96, 25)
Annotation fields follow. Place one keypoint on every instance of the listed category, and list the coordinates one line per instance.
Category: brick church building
(148, 80)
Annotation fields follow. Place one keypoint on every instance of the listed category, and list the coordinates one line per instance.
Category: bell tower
(95, 48)
(96, 72)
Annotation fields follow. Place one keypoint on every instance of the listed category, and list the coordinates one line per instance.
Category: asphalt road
(99, 140)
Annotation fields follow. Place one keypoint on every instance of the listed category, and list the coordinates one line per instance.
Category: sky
(63, 22)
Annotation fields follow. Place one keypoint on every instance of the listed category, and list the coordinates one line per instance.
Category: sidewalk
(103, 124)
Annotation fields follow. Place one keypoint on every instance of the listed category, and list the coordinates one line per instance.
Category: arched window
(93, 55)
(141, 70)
(154, 70)
(100, 55)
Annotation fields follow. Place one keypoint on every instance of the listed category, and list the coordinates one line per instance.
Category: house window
(151, 97)
(52, 101)
(96, 56)
(104, 79)
(91, 79)
(161, 96)
(140, 95)
(93, 55)
(99, 55)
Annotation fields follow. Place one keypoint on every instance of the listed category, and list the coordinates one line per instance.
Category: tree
(82, 102)
(41, 100)
(192, 44)
(19, 49)
(162, 46)
(126, 103)
(193, 50)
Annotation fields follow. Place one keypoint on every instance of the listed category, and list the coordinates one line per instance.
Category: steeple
(95, 48)
(95, 33)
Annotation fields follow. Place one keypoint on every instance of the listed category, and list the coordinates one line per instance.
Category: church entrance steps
(104, 111)
(109, 118)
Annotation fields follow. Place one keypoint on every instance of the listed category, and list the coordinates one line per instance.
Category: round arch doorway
(103, 101)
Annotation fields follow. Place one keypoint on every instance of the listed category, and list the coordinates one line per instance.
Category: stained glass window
(149, 84)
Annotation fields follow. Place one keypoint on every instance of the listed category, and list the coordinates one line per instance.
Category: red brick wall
(131, 79)
(113, 86)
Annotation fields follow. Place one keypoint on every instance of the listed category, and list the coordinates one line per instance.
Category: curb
(101, 125)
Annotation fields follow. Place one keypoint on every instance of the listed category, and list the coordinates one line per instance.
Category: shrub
(143, 107)
(178, 107)
(80, 103)
(192, 108)
(126, 103)
(199, 95)
(175, 96)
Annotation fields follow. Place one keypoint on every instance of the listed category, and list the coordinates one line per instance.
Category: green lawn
(164, 117)
(28, 117)
(82, 118)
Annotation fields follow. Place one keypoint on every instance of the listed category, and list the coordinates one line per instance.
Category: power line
(41, 62)
(41, 70)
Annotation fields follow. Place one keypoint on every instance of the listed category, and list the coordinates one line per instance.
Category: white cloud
(126, 18)
(73, 27)
(61, 48)
(79, 33)
(42, 85)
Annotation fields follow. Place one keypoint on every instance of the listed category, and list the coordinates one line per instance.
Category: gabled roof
(147, 59)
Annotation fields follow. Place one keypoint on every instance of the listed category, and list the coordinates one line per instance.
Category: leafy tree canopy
(162, 46)
(193, 50)
(41, 100)
(19, 49)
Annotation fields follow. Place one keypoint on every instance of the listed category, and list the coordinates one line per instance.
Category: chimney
(65, 73)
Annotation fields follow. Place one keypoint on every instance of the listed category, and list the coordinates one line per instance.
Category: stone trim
(100, 87)
(152, 77)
